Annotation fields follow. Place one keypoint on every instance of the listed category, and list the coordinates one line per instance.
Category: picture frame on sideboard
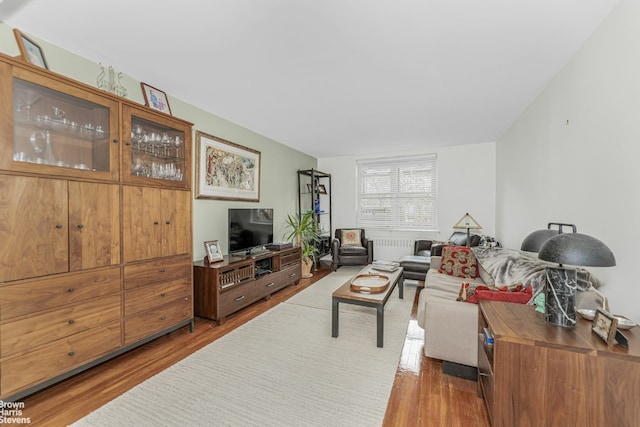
(30, 51)
(155, 98)
(213, 251)
(605, 325)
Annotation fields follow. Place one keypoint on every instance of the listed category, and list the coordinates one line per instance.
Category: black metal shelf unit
(314, 194)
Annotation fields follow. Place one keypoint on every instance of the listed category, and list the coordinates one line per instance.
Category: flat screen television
(249, 229)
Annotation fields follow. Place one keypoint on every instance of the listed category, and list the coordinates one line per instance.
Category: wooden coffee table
(345, 295)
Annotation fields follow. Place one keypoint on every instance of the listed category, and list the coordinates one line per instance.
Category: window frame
(402, 201)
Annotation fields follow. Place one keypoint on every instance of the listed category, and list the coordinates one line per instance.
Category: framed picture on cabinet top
(322, 189)
(226, 171)
(605, 325)
(155, 98)
(213, 250)
(30, 51)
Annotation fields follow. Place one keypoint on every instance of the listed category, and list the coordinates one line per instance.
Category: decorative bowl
(586, 313)
(624, 323)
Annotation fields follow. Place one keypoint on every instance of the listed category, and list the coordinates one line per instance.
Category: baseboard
(460, 371)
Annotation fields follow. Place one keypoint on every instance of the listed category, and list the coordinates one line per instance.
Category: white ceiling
(332, 77)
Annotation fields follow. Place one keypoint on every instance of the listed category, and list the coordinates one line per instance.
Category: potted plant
(303, 230)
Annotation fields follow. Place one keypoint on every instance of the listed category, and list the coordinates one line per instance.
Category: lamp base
(560, 296)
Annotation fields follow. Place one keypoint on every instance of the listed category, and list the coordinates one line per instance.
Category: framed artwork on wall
(30, 51)
(226, 171)
(155, 98)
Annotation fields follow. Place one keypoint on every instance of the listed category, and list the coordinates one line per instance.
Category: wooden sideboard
(536, 373)
(227, 286)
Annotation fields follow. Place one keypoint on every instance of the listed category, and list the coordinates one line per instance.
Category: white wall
(279, 163)
(466, 183)
(573, 155)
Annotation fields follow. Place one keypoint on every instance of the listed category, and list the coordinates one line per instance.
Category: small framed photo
(29, 50)
(155, 98)
(322, 189)
(605, 325)
(214, 253)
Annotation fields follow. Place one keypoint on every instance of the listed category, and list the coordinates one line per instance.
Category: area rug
(282, 368)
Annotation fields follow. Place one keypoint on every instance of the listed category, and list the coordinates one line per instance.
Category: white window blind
(398, 193)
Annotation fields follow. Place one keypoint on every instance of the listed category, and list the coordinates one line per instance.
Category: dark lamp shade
(534, 241)
(577, 249)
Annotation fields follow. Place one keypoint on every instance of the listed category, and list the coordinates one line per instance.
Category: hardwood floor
(422, 395)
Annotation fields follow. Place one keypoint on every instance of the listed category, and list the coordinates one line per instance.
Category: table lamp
(573, 249)
(534, 241)
(469, 223)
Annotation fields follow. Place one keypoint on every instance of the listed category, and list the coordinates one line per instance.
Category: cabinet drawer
(34, 331)
(141, 299)
(152, 321)
(57, 358)
(160, 270)
(291, 274)
(237, 297)
(43, 294)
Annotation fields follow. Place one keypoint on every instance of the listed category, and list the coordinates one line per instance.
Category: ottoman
(415, 266)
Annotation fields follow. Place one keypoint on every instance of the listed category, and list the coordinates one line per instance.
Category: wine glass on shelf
(177, 143)
(165, 140)
(27, 99)
(137, 134)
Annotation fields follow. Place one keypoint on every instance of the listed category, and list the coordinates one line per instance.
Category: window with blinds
(398, 193)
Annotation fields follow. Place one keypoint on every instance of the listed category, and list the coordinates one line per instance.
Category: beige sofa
(450, 326)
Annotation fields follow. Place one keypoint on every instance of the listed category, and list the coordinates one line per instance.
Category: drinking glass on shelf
(177, 143)
(137, 134)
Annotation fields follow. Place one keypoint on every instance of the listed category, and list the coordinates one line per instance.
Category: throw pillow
(514, 293)
(351, 238)
(519, 297)
(459, 261)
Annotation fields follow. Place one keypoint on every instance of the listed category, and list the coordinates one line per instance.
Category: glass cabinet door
(156, 149)
(52, 128)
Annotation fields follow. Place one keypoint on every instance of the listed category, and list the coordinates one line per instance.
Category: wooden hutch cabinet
(95, 201)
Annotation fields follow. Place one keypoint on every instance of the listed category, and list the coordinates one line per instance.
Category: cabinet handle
(270, 285)
(71, 321)
(80, 225)
(240, 298)
(71, 353)
(115, 140)
(168, 222)
(71, 289)
(163, 318)
(156, 222)
(162, 294)
(58, 226)
(127, 143)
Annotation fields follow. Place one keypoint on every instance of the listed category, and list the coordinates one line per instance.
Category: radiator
(390, 248)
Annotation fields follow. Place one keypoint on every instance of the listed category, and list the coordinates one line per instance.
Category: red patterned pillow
(514, 293)
(520, 297)
(459, 261)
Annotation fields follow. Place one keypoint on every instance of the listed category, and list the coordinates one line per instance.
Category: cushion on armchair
(351, 238)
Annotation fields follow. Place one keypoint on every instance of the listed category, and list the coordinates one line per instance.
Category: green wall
(278, 189)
